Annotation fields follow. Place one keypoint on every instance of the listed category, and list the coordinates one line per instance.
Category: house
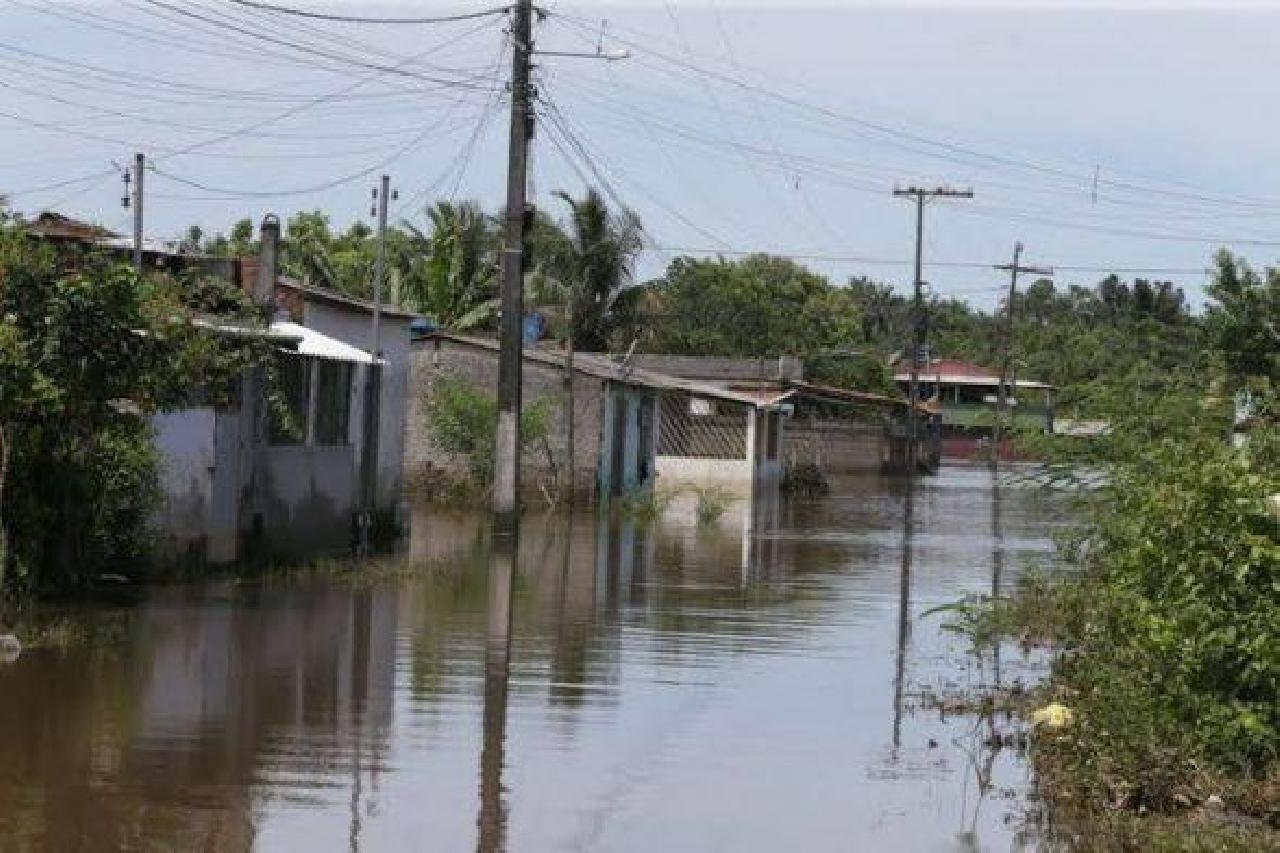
(244, 482)
(966, 395)
(235, 483)
(350, 320)
(628, 423)
(840, 431)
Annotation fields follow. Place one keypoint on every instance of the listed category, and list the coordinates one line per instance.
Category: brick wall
(429, 469)
(835, 446)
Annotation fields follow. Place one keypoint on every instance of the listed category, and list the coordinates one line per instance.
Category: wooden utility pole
(139, 166)
(1004, 389)
(506, 477)
(919, 320)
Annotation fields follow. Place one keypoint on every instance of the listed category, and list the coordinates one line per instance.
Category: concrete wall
(230, 495)
(185, 442)
(356, 328)
(633, 467)
(837, 446)
(427, 468)
(310, 494)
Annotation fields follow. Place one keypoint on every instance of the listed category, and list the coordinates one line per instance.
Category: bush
(464, 422)
(713, 502)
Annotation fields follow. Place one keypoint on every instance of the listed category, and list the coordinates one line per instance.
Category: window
(333, 401)
(292, 394)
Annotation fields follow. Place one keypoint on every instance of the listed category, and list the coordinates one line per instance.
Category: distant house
(967, 395)
(840, 431)
(631, 426)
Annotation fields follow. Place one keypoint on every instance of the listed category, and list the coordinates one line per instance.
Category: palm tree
(453, 271)
(594, 262)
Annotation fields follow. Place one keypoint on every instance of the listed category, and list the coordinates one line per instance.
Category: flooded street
(752, 685)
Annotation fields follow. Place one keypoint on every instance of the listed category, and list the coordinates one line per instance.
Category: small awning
(313, 343)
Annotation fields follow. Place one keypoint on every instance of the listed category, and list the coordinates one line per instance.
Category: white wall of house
(356, 328)
(185, 443)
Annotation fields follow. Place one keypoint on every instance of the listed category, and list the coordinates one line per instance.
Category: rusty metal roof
(606, 368)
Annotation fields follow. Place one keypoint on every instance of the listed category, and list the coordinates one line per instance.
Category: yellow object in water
(1052, 717)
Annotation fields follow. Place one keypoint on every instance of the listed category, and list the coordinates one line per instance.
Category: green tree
(758, 306)
(451, 273)
(87, 352)
(593, 260)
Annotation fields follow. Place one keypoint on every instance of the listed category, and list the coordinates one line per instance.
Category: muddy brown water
(751, 685)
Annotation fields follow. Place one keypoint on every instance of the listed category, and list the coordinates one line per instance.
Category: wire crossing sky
(1133, 140)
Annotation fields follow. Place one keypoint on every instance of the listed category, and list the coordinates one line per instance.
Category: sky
(1133, 136)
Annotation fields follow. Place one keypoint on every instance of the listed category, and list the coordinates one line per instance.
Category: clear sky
(1132, 135)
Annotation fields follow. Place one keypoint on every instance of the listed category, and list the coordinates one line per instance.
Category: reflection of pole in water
(997, 560)
(492, 822)
(904, 612)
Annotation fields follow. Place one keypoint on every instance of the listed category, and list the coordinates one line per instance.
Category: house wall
(356, 328)
(837, 446)
(633, 468)
(228, 495)
(309, 497)
(428, 468)
(185, 442)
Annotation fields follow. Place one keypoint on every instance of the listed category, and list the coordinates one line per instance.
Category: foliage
(758, 306)
(591, 261)
(713, 502)
(1244, 322)
(464, 421)
(647, 505)
(87, 352)
(807, 480)
(451, 273)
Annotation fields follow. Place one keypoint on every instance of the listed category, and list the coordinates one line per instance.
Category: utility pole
(381, 195)
(919, 320)
(1006, 344)
(506, 480)
(139, 165)
(373, 384)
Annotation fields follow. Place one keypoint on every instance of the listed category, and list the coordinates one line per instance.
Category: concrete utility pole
(139, 166)
(918, 318)
(1006, 345)
(381, 196)
(506, 478)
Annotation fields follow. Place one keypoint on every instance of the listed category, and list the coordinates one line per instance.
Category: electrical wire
(357, 19)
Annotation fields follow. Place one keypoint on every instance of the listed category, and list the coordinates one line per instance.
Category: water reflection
(492, 823)
(604, 684)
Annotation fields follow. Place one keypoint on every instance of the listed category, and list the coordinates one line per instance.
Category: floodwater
(752, 685)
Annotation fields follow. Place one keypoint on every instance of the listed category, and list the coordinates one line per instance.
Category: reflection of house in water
(230, 693)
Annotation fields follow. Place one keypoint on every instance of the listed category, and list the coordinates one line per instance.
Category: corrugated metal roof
(311, 342)
(326, 295)
(607, 368)
(955, 372)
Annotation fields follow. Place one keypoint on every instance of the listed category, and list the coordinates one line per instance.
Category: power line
(951, 148)
(358, 19)
(311, 50)
(875, 260)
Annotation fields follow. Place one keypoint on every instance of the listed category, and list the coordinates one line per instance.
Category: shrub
(713, 502)
(464, 421)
